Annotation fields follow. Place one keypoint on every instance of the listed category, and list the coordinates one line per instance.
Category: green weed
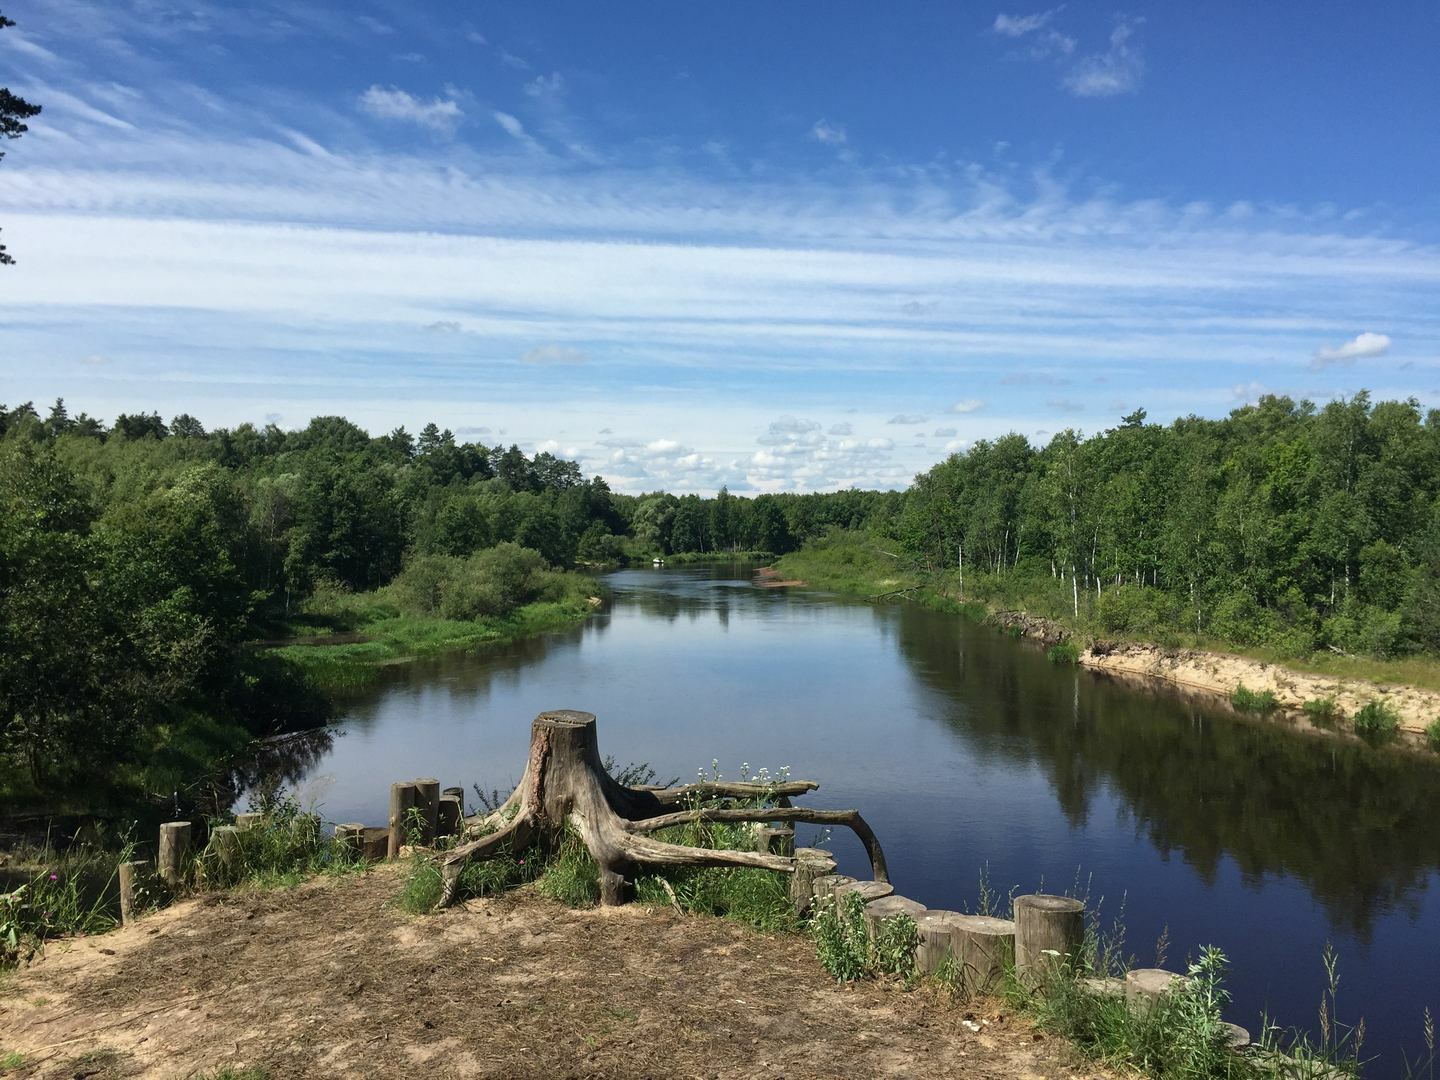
(1322, 710)
(1064, 653)
(1432, 735)
(1376, 718)
(1247, 700)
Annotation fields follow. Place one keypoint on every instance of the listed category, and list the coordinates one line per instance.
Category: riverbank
(331, 979)
(1409, 689)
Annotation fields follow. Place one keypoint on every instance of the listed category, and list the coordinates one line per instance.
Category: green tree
(14, 111)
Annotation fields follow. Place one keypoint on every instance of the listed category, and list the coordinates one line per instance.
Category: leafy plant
(1376, 718)
(1322, 710)
(1432, 735)
(1067, 652)
(1247, 700)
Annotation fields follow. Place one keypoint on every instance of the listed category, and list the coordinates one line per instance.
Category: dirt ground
(329, 979)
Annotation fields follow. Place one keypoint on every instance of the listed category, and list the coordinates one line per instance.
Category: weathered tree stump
(427, 807)
(566, 782)
(350, 838)
(978, 946)
(810, 864)
(776, 839)
(866, 890)
(1049, 931)
(402, 801)
(824, 886)
(132, 877)
(450, 816)
(1145, 986)
(225, 844)
(376, 844)
(174, 846)
(888, 907)
(248, 819)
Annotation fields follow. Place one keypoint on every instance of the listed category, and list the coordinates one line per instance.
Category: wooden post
(225, 844)
(402, 801)
(174, 846)
(459, 793)
(350, 839)
(826, 884)
(248, 819)
(1049, 931)
(1145, 986)
(979, 947)
(132, 879)
(810, 863)
(775, 840)
(376, 844)
(866, 890)
(450, 815)
(427, 802)
(888, 907)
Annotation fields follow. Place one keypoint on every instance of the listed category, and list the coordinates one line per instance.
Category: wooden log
(447, 822)
(225, 845)
(402, 801)
(934, 943)
(888, 907)
(376, 845)
(1103, 986)
(775, 839)
(866, 890)
(174, 847)
(978, 946)
(248, 819)
(459, 793)
(350, 839)
(1145, 986)
(826, 884)
(810, 863)
(132, 877)
(1049, 931)
(427, 805)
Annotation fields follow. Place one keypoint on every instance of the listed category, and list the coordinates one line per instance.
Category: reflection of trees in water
(282, 762)
(1356, 824)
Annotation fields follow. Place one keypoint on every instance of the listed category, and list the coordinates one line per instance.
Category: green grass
(65, 895)
(10, 1060)
(1322, 710)
(845, 949)
(1432, 735)
(230, 1072)
(1066, 653)
(1376, 718)
(1247, 700)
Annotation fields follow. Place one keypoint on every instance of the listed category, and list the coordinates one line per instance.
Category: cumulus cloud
(555, 354)
(1069, 405)
(546, 86)
(1042, 39)
(437, 114)
(907, 418)
(1360, 347)
(945, 433)
(1115, 71)
(967, 405)
(1248, 391)
(471, 429)
(840, 429)
(830, 134)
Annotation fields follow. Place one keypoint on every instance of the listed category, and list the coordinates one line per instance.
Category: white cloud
(510, 60)
(1019, 25)
(1361, 347)
(1250, 391)
(945, 433)
(436, 114)
(1117, 70)
(840, 429)
(555, 354)
(967, 405)
(546, 86)
(907, 418)
(444, 326)
(1043, 40)
(515, 129)
(830, 134)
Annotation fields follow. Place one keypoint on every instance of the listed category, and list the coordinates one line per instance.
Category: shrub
(1432, 735)
(1067, 652)
(1247, 700)
(1376, 718)
(1321, 710)
(843, 945)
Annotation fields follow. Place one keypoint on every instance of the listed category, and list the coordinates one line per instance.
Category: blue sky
(779, 247)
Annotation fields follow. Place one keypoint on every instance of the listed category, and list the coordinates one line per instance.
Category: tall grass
(1247, 700)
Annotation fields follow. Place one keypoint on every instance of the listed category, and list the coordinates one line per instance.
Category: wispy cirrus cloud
(392, 103)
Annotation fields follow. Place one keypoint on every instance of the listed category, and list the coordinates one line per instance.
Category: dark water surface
(966, 749)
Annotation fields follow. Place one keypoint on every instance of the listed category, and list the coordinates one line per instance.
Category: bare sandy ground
(329, 979)
(1219, 673)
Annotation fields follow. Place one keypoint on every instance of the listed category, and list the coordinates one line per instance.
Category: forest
(142, 561)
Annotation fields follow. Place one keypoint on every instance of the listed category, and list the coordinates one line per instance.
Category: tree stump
(823, 890)
(888, 907)
(565, 782)
(776, 839)
(174, 846)
(132, 882)
(376, 844)
(248, 819)
(979, 947)
(450, 816)
(402, 801)
(1145, 986)
(427, 808)
(225, 845)
(810, 864)
(350, 839)
(1049, 931)
(866, 890)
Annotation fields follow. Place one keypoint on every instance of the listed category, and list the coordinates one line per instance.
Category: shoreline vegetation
(1327, 689)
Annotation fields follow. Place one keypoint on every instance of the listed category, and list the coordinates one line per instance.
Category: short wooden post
(1049, 931)
(350, 839)
(866, 890)
(376, 843)
(174, 846)
(888, 907)
(459, 793)
(775, 840)
(132, 880)
(427, 802)
(826, 885)
(1145, 986)
(248, 819)
(448, 820)
(402, 801)
(225, 844)
(810, 863)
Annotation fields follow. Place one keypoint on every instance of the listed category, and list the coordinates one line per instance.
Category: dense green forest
(141, 560)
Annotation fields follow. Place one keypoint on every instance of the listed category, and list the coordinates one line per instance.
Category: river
(968, 751)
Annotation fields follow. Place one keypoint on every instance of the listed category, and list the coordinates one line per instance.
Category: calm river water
(967, 750)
